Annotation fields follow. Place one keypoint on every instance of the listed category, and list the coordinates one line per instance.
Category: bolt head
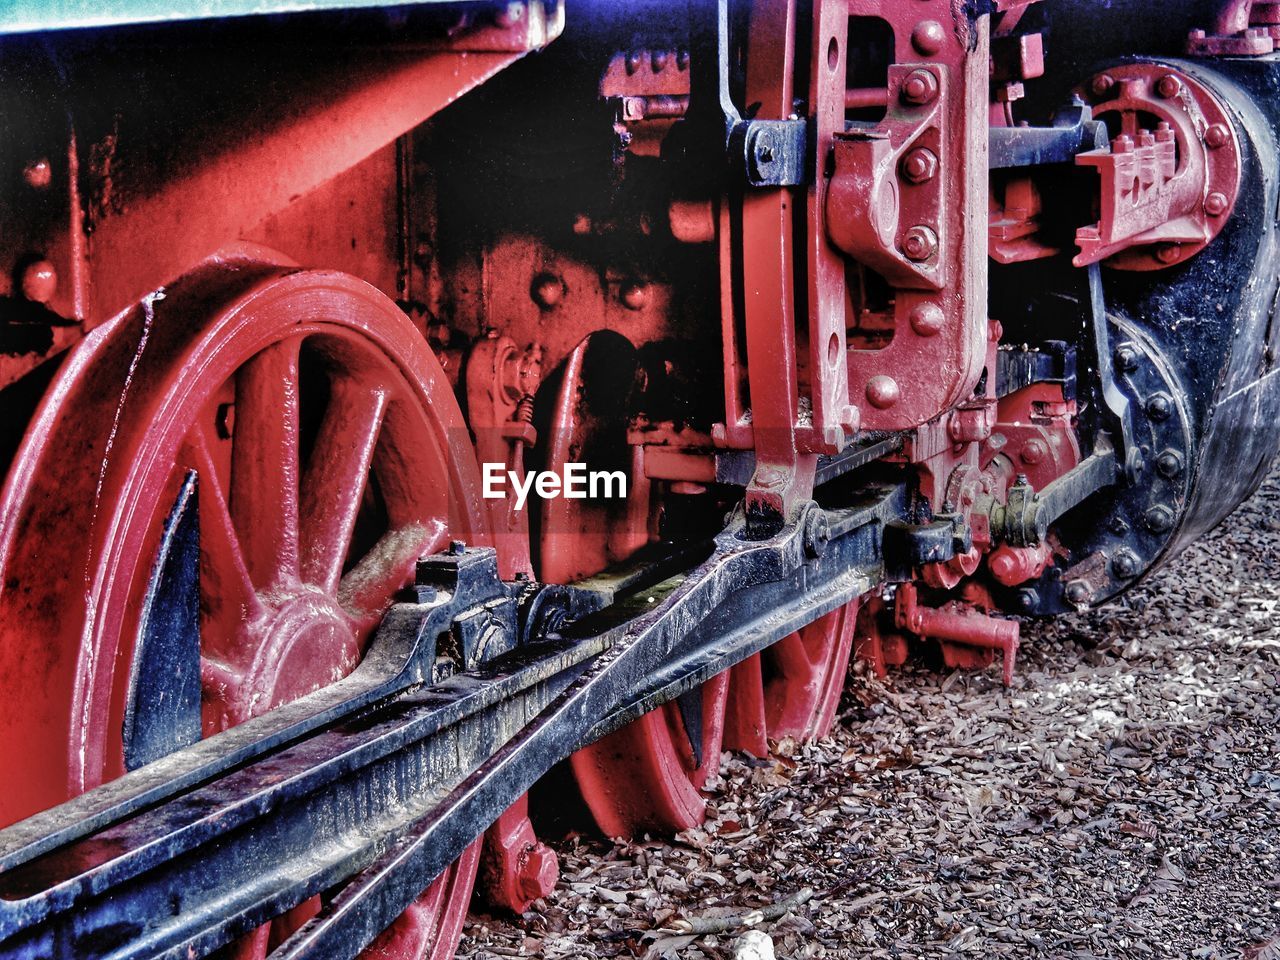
(920, 87)
(919, 243)
(927, 319)
(1160, 406)
(38, 174)
(1028, 599)
(1216, 135)
(1126, 358)
(1169, 464)
(1002, 565)
(928, 37)
(634, 59)
(1169, 252)
(457, 548)
(1168, 86)
(1078, 592)
(39, 281)
(1125, 564)
(1034, 451)
(635, 295)
(920, 165)
(1102, 84)
(1215, 204)
(547, 290)
(1119, 527)
(539, 872)
(883, 391)
(1159, 519)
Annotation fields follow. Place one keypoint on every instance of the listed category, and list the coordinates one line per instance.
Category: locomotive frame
(939, 397)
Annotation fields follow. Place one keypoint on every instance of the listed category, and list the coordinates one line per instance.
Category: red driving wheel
(647, 776)
(329, 453)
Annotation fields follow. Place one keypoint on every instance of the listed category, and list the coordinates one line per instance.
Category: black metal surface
(402, 654)
(1053, 361)
(162, 712)
(1073, 131)
(771, 153)
(735, 467)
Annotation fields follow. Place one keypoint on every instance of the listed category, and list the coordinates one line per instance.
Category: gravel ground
(1122, 800)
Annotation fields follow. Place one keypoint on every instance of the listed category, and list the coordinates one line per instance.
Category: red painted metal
(878, 642)
(501, 380)
(287, 391)
(957, 623)
(910, 229)
(1240, 28)
(784, 473)
(106, 179)
(1167, 187)
(517, 868)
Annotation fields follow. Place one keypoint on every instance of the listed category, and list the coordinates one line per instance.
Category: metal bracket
(771, 153)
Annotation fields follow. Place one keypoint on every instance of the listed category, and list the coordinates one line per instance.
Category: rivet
(928, 37)
(883, 391)
(634, 59)
(634, 295)
(1169, 252)
(1034, 451)
(1159, 406)
(1215, 204)
(1125, 564)
(659, 60)
(1169, 464)
(1216, 135)
(926, 319)
(39, 281)
(547, 290)
(38, 174)
(1158, 519)
(919, 243)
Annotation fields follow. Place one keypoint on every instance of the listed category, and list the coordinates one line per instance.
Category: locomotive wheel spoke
(264, 463)
(337, 471)
(228, 596)
(302, 369)
(365, 591)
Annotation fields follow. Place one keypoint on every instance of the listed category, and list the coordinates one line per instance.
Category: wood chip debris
(1121, 800)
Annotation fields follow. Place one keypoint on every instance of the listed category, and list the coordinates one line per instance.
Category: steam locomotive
(420, 416)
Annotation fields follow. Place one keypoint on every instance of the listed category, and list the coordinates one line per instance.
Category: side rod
(392, 794)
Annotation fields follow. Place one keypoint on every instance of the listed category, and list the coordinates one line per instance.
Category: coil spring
(524, 409)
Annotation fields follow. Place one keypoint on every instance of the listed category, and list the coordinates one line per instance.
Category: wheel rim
(804, 673)
(313, 413)
(646, 776)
